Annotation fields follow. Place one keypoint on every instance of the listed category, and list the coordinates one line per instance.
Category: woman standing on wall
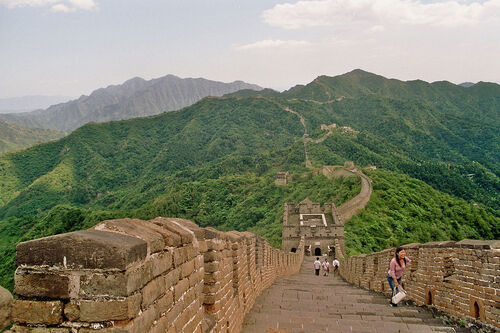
(396, 269)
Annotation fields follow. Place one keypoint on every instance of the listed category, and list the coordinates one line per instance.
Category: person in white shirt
(317, 266)
(326, 267)
(335, 265)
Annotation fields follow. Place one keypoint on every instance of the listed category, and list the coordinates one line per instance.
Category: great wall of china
(170, 275)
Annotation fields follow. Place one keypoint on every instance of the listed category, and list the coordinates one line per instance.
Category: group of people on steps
(325, 266)
(394, 275)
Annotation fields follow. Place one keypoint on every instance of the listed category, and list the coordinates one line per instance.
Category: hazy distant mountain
(30, 103)
(467, 84)
(15, 137)
(134, 98)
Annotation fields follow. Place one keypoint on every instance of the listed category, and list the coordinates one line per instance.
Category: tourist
(336, 265)
(326, 267)
(317, 265)
(396, 269)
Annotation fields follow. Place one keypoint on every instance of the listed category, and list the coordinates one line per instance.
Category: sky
(72, 47)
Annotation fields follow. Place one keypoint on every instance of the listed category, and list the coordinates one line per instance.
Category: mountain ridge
(437, 171)
(134, 98)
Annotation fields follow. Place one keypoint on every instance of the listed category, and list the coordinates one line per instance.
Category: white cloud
(83, 4)
(64, 6)
(61, 8)
(272, 43)
(316, 13)
(27, 3)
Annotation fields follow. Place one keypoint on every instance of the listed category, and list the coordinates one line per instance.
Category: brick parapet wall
(128, 275)
(459, 278)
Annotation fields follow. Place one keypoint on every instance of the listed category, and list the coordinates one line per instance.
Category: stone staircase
(307, 303)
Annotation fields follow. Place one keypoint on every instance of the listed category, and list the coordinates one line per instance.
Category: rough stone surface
(135, 228)
(83, 249)
(5, 308)
(37, 312)
(95, 311)
(33, 283)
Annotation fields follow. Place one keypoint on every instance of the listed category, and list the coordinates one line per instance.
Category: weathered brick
(106, 310)
(34, 312)
(152, 291)
(180, 288)
(187, 268)
(33, 283)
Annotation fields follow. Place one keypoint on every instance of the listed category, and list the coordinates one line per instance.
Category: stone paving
(307, 303)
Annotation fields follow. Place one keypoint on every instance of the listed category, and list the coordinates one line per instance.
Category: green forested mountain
(15, 137)
(214, 162)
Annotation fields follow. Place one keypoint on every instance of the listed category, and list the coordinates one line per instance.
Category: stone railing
(162, 275)
(458, 278)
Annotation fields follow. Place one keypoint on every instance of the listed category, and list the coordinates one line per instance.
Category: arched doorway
(293, 250)
(317, 251)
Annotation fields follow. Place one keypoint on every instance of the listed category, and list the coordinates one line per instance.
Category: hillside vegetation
(15, 137)
(214, 162)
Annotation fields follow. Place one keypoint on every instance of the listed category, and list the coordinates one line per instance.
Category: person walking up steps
(317, 266)
(326, 267)
(335, 265)
(396, 269)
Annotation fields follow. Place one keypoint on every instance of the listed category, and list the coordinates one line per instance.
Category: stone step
(308, 303)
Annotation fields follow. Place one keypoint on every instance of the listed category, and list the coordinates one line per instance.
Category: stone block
(72, 311)
(172, 278)
(180, 288)
(172, 225)
(171, 239)
(33, 312)
(87, 249)
(152, 267)
(106, 310)
(187, 268)
(165, 303)
(198, 232)
(152, 291)
(5, 308)
(33, 283)
(101, 284)
(134, 228)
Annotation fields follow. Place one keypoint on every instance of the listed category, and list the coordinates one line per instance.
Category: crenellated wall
(459, 278)
(127, 275)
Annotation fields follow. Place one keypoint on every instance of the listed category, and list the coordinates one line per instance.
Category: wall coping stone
(479, 244)
(439, 244)
(88, 249)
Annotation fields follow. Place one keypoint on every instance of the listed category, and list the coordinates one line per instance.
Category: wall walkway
(305, 303)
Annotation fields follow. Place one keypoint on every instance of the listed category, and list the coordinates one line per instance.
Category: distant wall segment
(459, 278)
(128, 275)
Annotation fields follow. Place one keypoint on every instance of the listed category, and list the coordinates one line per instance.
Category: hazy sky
(71, 47)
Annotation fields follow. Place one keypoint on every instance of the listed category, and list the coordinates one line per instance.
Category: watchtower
(321, 227)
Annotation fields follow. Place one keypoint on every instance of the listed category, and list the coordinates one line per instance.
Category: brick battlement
(459, 278)
(128, 275)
